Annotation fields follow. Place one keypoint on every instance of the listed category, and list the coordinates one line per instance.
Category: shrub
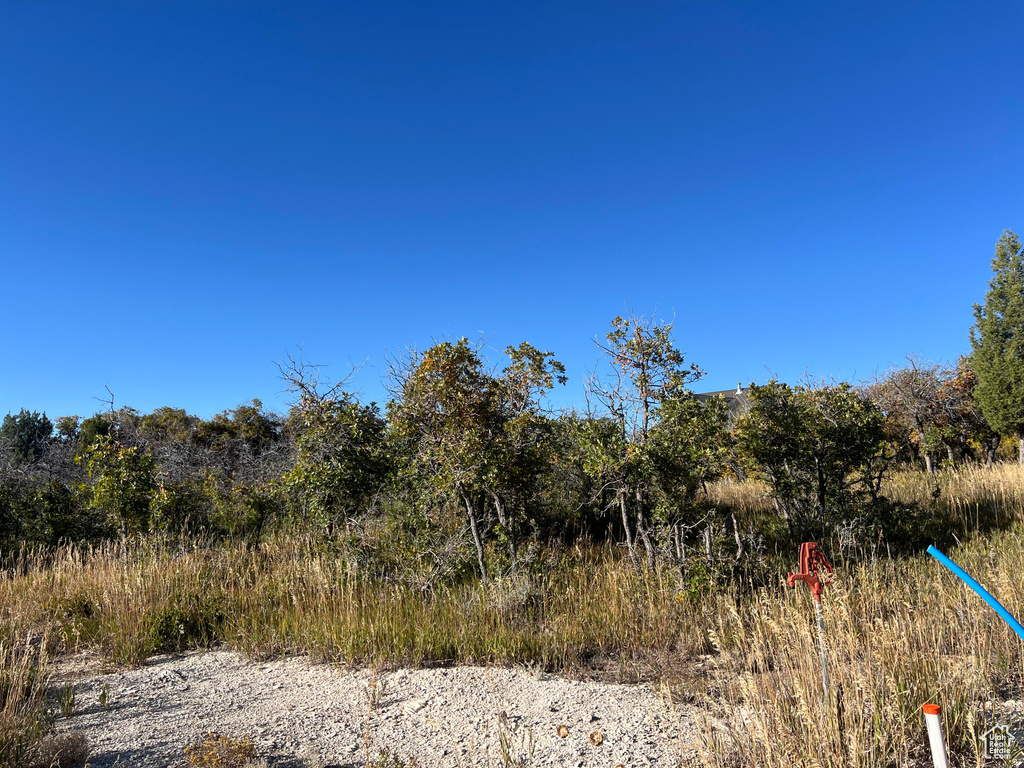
(221, 752)
(189, 620)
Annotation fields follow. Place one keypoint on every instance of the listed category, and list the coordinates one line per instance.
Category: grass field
(899, 632)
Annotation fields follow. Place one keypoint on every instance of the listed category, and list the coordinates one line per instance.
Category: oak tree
(811, 445)
(627, 405)
(470, 434)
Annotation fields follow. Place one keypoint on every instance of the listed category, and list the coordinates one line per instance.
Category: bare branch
(307, 380)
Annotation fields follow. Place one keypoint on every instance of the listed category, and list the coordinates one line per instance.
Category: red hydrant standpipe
(811, 558)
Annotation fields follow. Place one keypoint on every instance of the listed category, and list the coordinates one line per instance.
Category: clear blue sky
(191, 190)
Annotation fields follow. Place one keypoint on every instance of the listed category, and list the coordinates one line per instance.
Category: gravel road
(305, 715)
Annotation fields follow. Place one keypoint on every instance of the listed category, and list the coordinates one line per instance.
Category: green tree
(248, 424)
(475, 438)
(816, 448)
(15, 511)
(341, 463)
(960, 425)
(524, 447)
(561, 500)
(171, 436)
(26, 435)
(59, 516)
(630, 447)
(997, 343)
(446, 415)
(690, 447)
(121, 425)
(341, 459)
(123, 484)
(67, 427)
(168, 426)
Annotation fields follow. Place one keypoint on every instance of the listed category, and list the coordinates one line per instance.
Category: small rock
(413, 705)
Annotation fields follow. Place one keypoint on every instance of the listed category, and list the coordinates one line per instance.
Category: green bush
(189, 620)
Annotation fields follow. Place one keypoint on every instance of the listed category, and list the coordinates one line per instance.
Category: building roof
(736, 399)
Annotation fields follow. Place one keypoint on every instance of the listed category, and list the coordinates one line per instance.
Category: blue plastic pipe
(996, 605)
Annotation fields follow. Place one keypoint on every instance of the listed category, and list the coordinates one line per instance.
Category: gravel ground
(301, 714)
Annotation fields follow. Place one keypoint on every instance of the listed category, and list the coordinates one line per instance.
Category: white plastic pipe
(934, 723)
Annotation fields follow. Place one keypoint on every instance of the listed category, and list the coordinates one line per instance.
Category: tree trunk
(783, 511)
(991, 447)
(737, 468)
(474, 528)
(1020, 447)
(641, 528)
(731, 520)
(626, 526)
(928, 467)
(506, 523)
(950, 455)
(822, 496)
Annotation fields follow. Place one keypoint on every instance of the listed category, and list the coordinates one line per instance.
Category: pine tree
(997, 341)
(26, 435)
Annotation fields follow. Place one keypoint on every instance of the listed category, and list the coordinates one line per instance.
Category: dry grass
(900, 633)
(218, 751)
(24, 715)
(747, 499)
(972, 496)
(290, 596)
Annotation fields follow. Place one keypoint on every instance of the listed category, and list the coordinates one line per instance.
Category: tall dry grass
(898, 635)
(748, 499)
(899, 632)
(289, 595)
(971, 496)
(24, 715)
(970, 493)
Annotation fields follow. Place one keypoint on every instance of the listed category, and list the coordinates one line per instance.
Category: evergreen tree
(997, 341)
(26, 435)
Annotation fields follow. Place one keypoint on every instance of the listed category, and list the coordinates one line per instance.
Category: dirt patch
(302, 714)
